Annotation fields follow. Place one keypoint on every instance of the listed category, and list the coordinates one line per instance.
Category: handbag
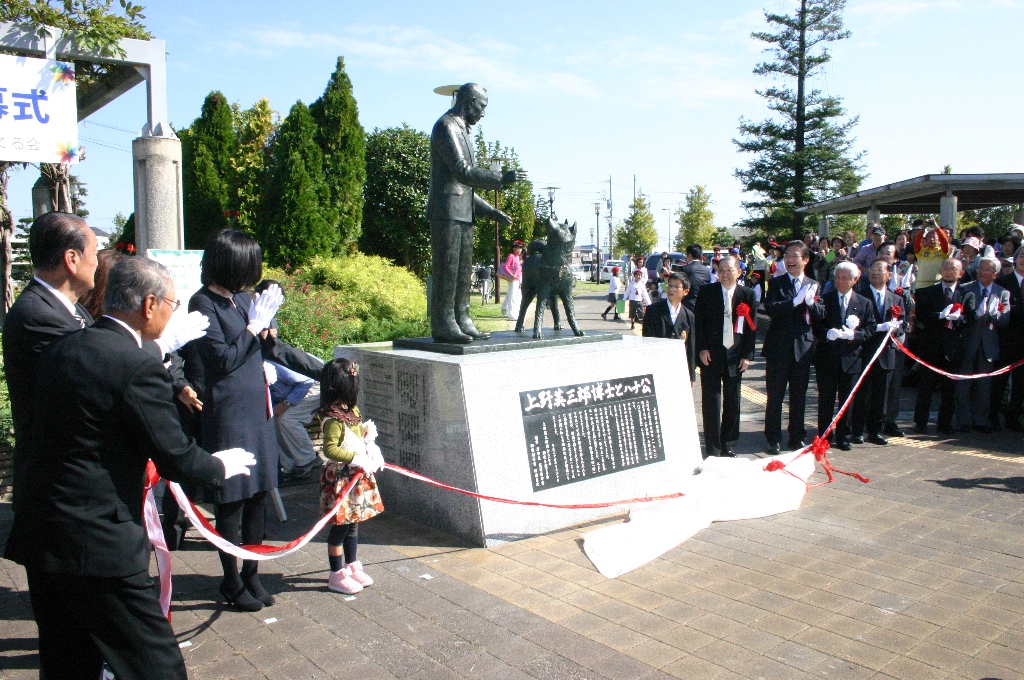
(503, 273)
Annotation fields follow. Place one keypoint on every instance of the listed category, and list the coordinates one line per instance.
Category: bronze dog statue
(547, 277)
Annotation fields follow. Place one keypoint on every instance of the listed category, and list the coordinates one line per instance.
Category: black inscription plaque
(577, 432)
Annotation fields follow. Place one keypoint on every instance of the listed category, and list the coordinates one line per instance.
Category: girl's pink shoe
(341, 582)
(356, 573)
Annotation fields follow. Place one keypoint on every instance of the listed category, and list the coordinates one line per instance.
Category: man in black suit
(1011, 349)
(63, 250)
(102, 408)
(944, 310)
(725, 346)
(870, 403)
(451, 207)
(669, 318)
(846, 326)
(697, 272)
(792, 306)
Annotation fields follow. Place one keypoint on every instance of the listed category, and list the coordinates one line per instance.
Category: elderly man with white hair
(981, 347)
(848, 323)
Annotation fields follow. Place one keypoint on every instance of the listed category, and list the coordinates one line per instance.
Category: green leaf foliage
(344, 300)
(517, 201)
(637, 235)
(297, 220)
(343, 142)
(696, 221)
(255, 128)
(207, 147)
(395, 222)
(803, 153)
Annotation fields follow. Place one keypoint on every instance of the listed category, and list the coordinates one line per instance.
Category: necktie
(727, 331)
(878, 304)
(949, 294)
(842, 308)
(81, 321)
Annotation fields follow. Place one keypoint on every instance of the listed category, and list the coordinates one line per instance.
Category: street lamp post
(496, 164)
(551, 200)
(597, 221)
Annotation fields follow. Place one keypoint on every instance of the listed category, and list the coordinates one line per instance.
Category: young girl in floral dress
(348, 447)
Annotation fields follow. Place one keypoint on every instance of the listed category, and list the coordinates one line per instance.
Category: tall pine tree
(637, 235)
(696, 221)
(343, 142)
(206, 150)
(297, 218)
(255, 128)
(803, 153)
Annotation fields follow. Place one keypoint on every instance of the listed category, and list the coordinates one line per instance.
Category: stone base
(597, 422)
(504, 341)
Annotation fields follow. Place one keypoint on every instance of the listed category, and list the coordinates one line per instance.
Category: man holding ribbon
(944, 310)
(725, 333)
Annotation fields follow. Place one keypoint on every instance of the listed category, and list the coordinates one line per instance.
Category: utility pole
(611, 239)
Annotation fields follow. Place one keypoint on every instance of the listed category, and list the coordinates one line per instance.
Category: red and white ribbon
(743, 315)
(155, 532)
(960, 376)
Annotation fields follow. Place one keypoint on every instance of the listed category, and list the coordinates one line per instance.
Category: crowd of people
(103, 378)
(956, 303)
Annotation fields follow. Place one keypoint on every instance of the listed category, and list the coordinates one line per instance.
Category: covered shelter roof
(922, 194)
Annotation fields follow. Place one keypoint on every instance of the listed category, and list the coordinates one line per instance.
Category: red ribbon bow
(899, 291)
(743, 310)
(957, 307)
(896, 312)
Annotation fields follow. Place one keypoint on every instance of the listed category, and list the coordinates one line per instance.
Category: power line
(106, 144)
(109, 127)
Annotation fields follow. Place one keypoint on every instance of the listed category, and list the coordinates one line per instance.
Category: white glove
(376, 457)
(993, 305)
(365, 462)
(798, 299)
(945, 312)
(887, 326)
(182, 329)
(236, 462)
(812, 291)
(263, 308)
(369, 432)
(852, 322)
(954, 315)
(269, 372)
(846, 334)
(833, 334)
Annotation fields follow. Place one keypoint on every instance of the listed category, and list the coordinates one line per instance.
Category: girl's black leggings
(347, 536)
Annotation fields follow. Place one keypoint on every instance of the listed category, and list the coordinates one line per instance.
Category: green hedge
(345, 300)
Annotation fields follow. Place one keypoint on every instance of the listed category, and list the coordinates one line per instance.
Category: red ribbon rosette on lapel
(896, 312)
(956, 308)
(899, 291)
(743, 314)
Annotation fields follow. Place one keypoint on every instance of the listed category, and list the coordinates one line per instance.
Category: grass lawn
(488, 317)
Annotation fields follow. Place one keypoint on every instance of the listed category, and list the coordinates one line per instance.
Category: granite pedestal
(583, 423)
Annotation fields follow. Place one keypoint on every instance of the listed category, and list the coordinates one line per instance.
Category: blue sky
(584, 90)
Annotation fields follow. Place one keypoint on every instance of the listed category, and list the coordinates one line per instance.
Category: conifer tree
(255, 128)
(343, 142)
(206, 150)
(297, 219)
(637, 235)
(803, 153)
(696, 221)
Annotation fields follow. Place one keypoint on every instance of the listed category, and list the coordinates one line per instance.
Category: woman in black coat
(236, 408)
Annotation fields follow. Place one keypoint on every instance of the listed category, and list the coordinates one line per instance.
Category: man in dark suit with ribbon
(1011, 349)
(102, 409)
(944, 310)
(452, 205)
(792, 305)
(847, 324)
(725, 333)
(888, 313)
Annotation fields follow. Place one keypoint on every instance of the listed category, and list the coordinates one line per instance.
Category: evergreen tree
(803, 154)
(696, 221)
(206, 150)
(297, 220)
(343, 142)
(255, 129)
(517, 201)
(395, 209)
(637, 235)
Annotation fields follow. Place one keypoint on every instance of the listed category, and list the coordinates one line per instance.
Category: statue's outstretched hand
(513, 176)
(502, 218)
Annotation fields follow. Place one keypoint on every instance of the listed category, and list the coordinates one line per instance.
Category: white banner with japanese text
(38, 110)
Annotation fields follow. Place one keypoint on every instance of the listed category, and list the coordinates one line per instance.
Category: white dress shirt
(60, 297)
(138, 338)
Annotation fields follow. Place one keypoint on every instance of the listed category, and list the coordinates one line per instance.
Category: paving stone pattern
(919, 574)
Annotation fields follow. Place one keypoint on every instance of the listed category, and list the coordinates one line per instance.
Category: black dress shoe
(256, 589)
(857, 440)
(1014, 425)
(964, 429)
(773, 450)
(795, 444)
(948, 431)
(894, 431)
(727, 451)
(243, 599)
(877, 439)
(844, 446)
(711, 451)
(920, 429)
(984, 429)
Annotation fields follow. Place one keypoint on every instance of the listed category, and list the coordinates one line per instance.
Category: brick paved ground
(918, 574)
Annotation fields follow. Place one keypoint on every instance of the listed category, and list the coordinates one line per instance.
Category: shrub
(340, 301)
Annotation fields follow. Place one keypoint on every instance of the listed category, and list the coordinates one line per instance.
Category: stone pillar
(874, 214)
(823, 225)
(947, 211)
(42, 198)
(159, 215)
(1018, 215)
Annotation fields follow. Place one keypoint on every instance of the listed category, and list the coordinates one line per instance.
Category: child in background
(636, 294)
(613, 294)
(349, 448)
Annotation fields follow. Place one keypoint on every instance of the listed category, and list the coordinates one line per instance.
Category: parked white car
(581, 272)
(606, 270)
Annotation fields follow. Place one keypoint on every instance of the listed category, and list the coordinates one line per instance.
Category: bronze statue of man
(451, 207)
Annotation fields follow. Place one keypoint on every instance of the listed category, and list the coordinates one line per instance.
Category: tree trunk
(58, 176)
(801, 119)
(6, 251)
